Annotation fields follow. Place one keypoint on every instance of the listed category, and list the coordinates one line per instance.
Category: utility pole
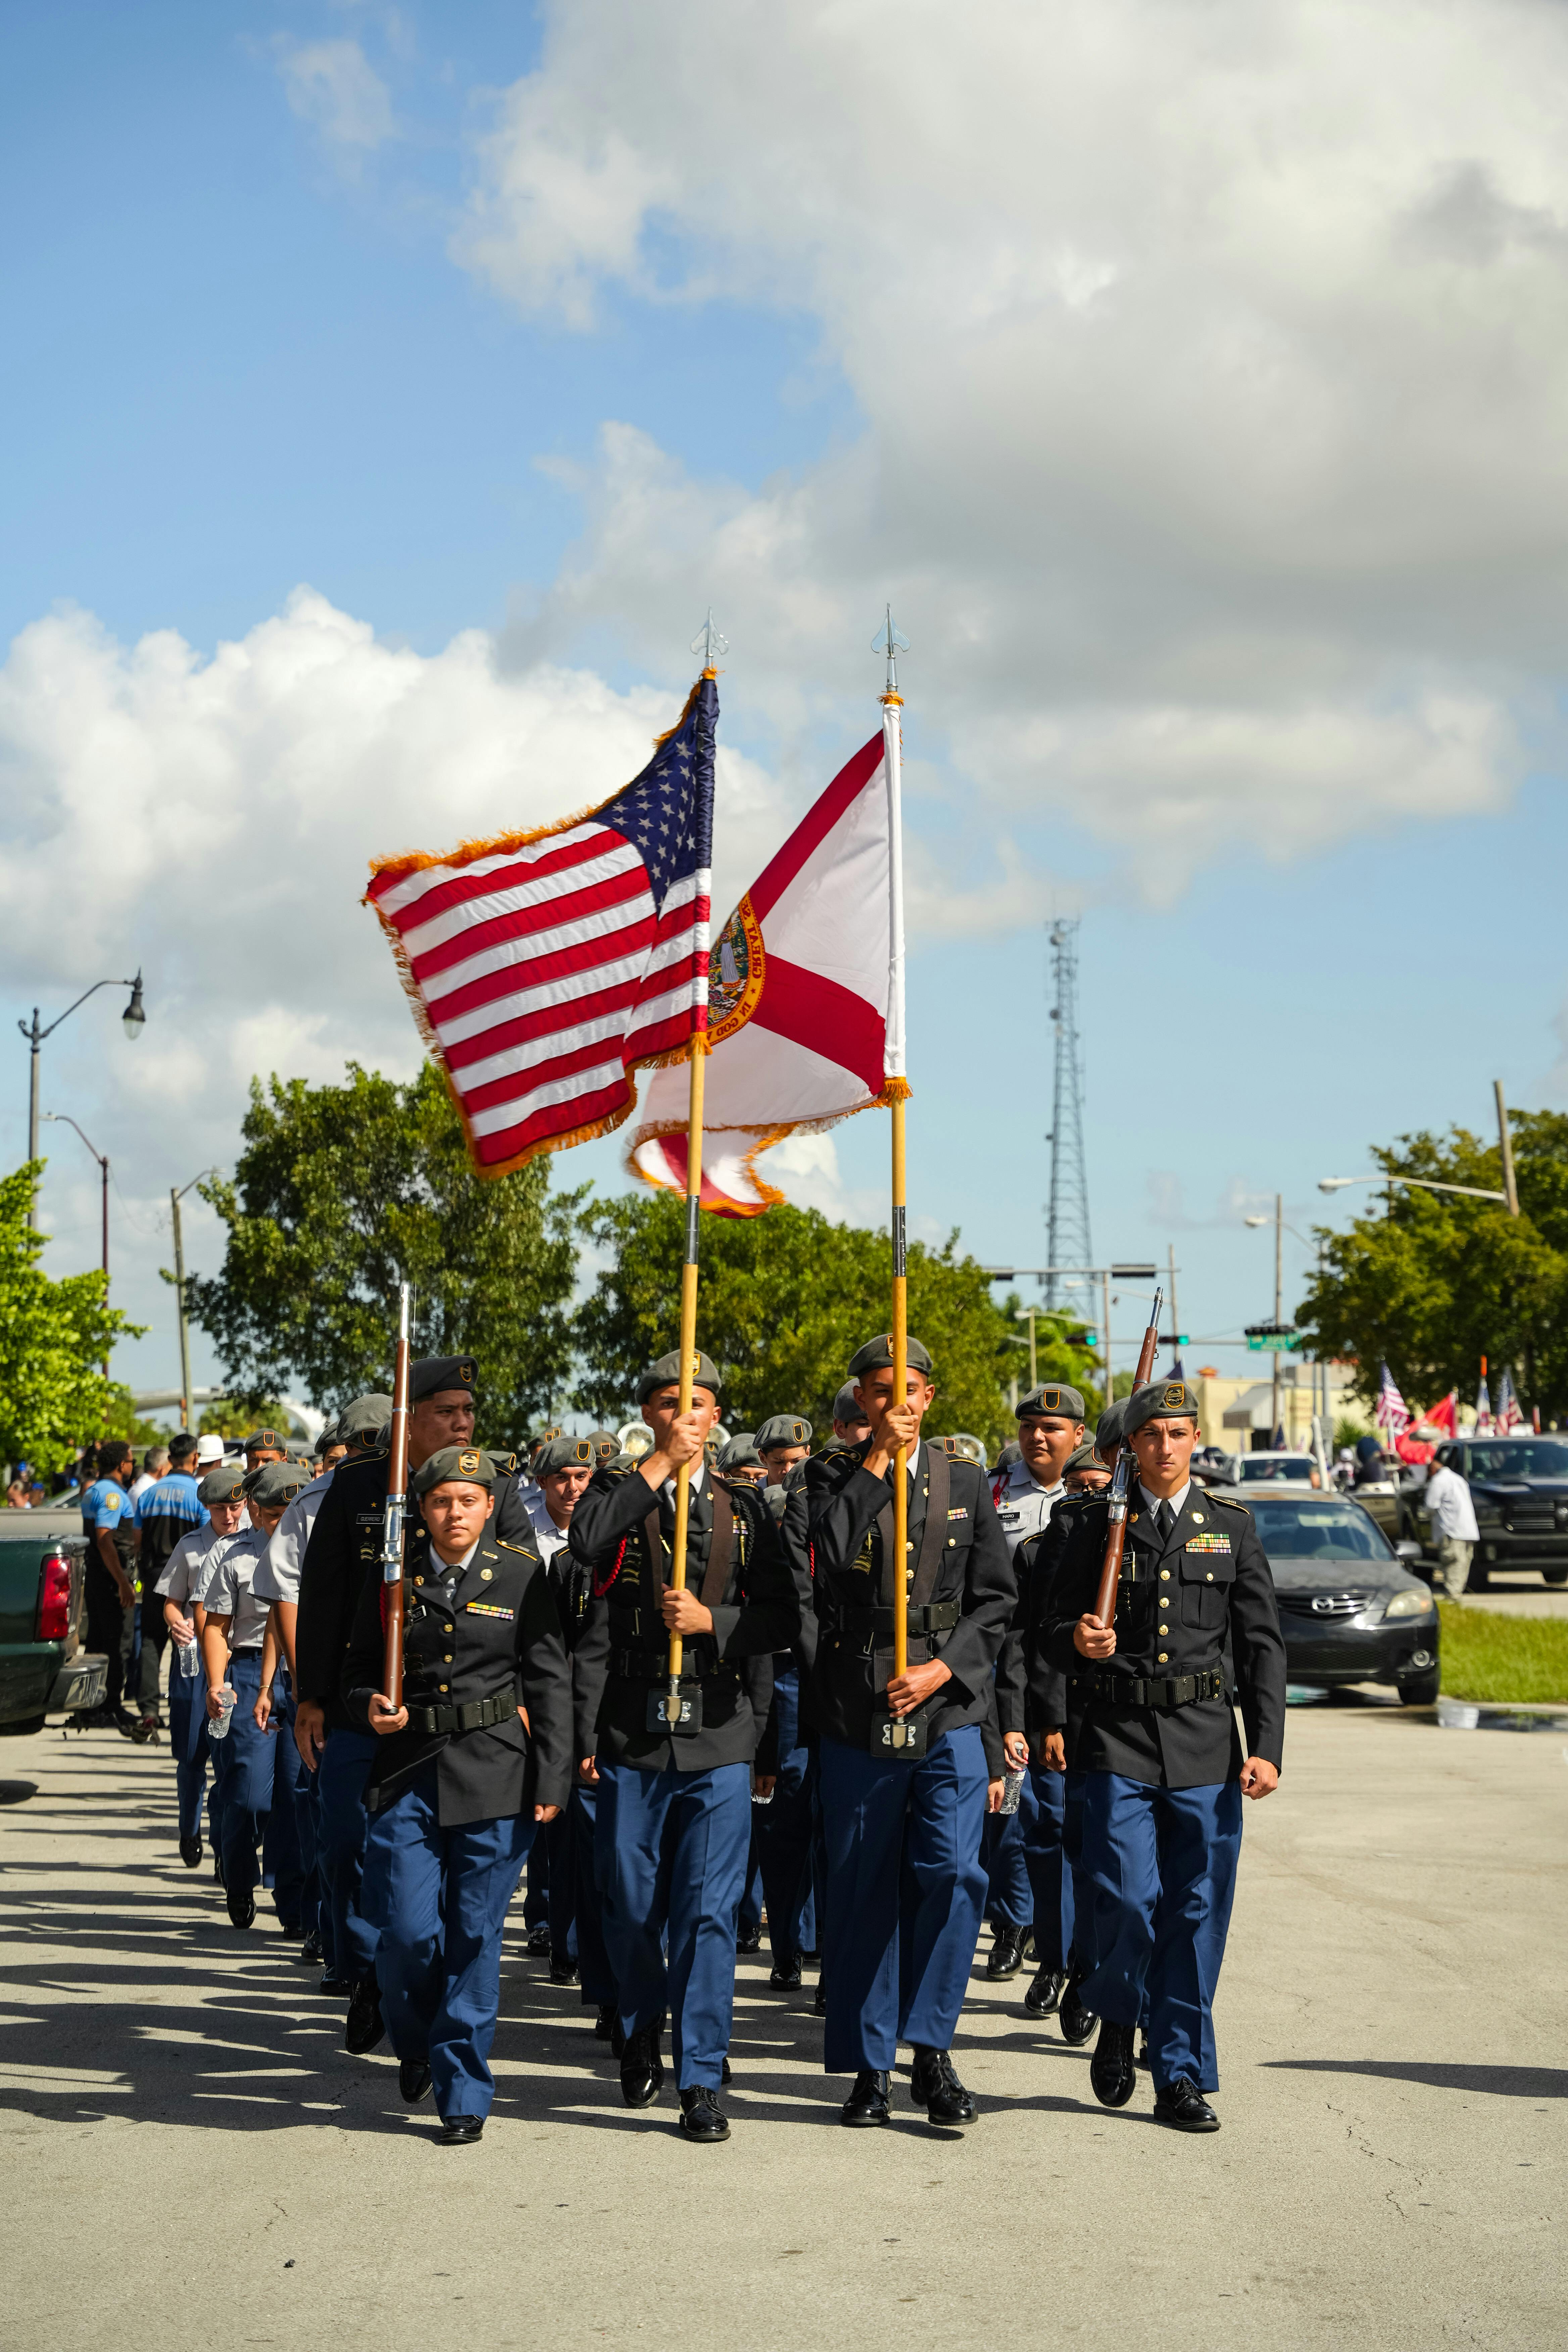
(1505, 1144)
(1105, 1329)
(64, 1118)
(1278, 1299)
(133, 1019)
(1176, 1318)
(174, 1200)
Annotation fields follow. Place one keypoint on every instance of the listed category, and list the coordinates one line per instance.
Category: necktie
(1165, 1519)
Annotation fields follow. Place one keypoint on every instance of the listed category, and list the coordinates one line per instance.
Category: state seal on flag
(735, 969)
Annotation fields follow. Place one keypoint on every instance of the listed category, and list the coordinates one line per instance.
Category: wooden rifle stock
(1122, 1483)
(392, 1523)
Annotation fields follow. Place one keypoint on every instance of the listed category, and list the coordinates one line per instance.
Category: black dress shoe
(538, 1944)
(310, 1949)
(819, 1999)
(1044, 1992)
(241, 1909)
(1145, 2063)
(562, 1971)
(701, 2117)
(751, 1942)
(868, 2102)
(413, 2079)
(785, 1974)
(724, 2076)
(1076, 2021)
(1184, 2107)
(1113, 2076)
(603, 2020)
(461, 2131)
(290, 1930)
(335, 1987)
(1006, 1954)
(934, 2087)
(364, 2025)
(218, 1865)
(190, 1852)
(642, 2068)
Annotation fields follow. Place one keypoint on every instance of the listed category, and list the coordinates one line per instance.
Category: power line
(1067, 1212)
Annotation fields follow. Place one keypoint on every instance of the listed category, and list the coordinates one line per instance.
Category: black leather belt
(474, 1714)
(653, 1665)
(1170, 1690)
(932, 1617)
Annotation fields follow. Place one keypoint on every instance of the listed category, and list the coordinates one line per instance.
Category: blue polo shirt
(165, 1512)
(105, 1504)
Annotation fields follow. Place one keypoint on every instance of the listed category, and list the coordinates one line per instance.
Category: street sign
(1134, 1273)
(1275, 1336)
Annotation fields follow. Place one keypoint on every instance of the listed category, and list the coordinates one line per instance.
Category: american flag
(1509, 1416)
(1390, 1411)
(546, 966)
(1483, 1409)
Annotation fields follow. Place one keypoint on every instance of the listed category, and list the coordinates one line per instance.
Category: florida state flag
(798, 988)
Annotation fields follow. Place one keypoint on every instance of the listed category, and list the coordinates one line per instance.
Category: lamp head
(1334, 1183)
(1256, 1220)
(134, 1018)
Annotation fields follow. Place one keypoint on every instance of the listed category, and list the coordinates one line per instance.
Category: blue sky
(286, 320)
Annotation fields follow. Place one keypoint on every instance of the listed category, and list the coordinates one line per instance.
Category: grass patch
(1503, 1660)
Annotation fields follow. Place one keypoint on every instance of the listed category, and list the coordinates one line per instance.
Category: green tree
(785, 1300)
(343, 1191)
(1430, 1282)
(54, 1338)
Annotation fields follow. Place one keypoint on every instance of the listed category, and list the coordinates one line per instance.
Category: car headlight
(1408, 1604)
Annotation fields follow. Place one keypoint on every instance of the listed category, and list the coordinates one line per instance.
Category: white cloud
(333, 87)
(1211, 365)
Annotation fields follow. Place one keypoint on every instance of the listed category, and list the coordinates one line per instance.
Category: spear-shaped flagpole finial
(891, 642)
(710, 642)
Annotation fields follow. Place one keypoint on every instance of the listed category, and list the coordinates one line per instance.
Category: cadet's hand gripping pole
(392, 1523)
(1122, 1484)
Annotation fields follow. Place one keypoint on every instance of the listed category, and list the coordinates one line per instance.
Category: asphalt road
(190, 2161)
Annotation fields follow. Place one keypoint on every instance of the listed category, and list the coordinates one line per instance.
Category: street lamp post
(64, 1118)
(134, 1020)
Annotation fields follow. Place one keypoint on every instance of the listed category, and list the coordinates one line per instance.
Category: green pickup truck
(44, 1670)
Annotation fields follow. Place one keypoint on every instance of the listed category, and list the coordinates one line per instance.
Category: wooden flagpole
(710, 643)
(889, 642)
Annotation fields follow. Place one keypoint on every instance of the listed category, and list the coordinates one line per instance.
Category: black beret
(266, 1441)
(782, 1429)
(878, 1354)
(1082, 1457)
(1160, 1401)
(1107, 1430)
(846, 1406)
(740, 1453)
(469, 1463)
(225, 1484)
(365, 1420)
(565, 1454)
(666, 1374)
(605, 1443)
(274, 1483)
(961, 1447)
(431, 1376)
(536, 1445)
(1053, 1397)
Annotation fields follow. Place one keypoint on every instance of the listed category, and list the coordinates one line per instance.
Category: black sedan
(1518, 1487)
(1350, 1608)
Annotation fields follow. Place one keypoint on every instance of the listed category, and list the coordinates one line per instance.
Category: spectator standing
(168, 1510)
(155, 1462)
(1453, 1519)
(108, 1522)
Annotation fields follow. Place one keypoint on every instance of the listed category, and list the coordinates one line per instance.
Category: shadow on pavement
(1502, 2082)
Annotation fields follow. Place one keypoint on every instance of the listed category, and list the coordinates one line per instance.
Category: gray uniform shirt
(229, 1593)
(546, 1533)
(189, 1567)
(276, 1574)
(1023, 1505)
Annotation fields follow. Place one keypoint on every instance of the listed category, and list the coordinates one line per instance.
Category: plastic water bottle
(1011, 1790)
(190, 1662)
(219, 1730)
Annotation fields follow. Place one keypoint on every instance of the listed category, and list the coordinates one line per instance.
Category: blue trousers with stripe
(670, 1852)
(1162, 1864)
(188, 1743)
(259, 1769)
(341, 1777)
(594, 1974)
(437, 1899)
(905, 1895)
(1053, 1855)
(1009, 1895)
(784, 1829)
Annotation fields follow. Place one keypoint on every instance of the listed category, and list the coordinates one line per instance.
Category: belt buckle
(902, 1737)
(689, 1706)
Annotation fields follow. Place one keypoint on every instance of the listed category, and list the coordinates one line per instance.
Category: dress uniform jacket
(962, 1589)
(622, 1531)
(498, 1636)
(1160, 1709)
(342, 1553)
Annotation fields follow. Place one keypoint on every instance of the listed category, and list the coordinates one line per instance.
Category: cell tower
(1067, 1241)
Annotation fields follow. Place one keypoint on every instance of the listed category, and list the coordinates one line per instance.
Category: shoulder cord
(600, 1590)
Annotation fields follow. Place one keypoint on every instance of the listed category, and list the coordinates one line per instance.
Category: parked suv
(44, 1669)
(1520, 1489)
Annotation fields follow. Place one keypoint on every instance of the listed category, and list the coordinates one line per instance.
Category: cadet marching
(1078, 1783)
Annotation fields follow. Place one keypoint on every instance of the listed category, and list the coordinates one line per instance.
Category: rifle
(1122, 1482)
(392, 1523)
